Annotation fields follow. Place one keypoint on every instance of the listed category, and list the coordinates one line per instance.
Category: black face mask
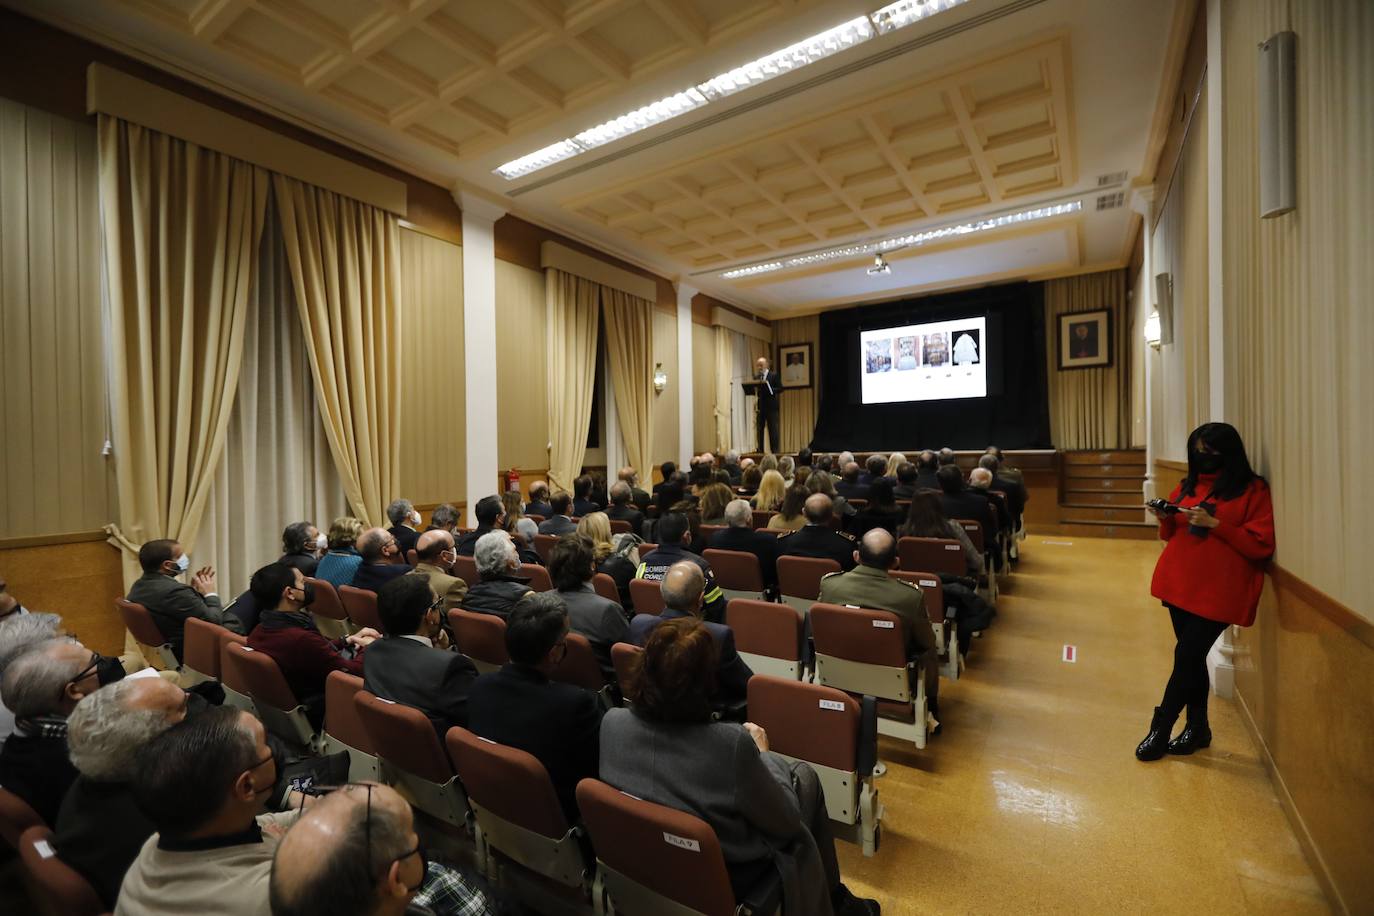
(307, 594)
(1208, 462)
(108, 670)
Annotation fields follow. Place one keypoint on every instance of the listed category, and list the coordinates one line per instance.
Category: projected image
(933, 361)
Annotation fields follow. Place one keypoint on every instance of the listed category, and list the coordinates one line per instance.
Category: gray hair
(732, 456)
(493, 554)
(104, 734)
(526, 528)
(786, 465)
(980, 477)
(34, 683)
(683, 597)
(989, 461)
(399, 510)
(620, 492)
(845, 458)
(738, 513)
(19, 633)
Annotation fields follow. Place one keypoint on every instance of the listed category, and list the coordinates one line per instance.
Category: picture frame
(1085, 340)
(795, 365)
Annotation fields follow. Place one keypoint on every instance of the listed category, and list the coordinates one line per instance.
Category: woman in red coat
(1217, 542)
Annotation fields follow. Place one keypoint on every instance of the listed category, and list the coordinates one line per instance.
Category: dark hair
(294, 539)
(876, 465)
(878, 559)
(947, 456)
(560, 503)
(927, 460)
(676, 675)
(926, 518)
(403, 602)
(582, 487)
(950, 478)
(488, 510)
(153, 554)
(671, 527)
(793, 499)
(667, 468)
(570, 563)
(701, 474)
(823, 462)
(906, 472)
(804, 456)
(751, 477)
(534, 626)
(184, 775)
(880, 494)
(1236, 472)
(444, 516)
(269, 582)
(850, 472)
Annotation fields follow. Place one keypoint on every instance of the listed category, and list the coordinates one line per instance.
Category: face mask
(414, 518)
(307, 594)
(1207, 462)
(321, 543)
(183, 562)
(108, 670)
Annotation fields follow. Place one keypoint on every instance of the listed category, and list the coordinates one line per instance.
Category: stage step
(1078, 471)
(1140, 531)
(1107, 515)
(1108, 456)
(1133, 483)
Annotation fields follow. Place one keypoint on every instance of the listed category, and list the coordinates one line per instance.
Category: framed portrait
(1085, 340)
(794, 362)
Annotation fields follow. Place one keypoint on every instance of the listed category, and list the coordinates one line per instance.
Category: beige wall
(522, 395)
(664, 410)
(703, 388)
(432, 400)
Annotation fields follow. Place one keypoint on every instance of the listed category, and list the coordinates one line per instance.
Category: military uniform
(819, 541)
(873, 588)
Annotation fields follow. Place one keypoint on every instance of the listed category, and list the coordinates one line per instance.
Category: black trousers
(1188, 684)
(767, 416)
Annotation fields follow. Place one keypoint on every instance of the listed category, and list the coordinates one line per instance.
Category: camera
(1163, 505)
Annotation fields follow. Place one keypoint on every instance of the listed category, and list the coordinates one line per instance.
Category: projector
(879, 267)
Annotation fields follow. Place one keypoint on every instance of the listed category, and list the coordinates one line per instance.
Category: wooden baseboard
(1290, 808)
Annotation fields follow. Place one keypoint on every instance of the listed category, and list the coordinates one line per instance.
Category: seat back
(605, 586)
(579, 665)
(646, 548)
(651, 854)
(139, 622)
(975, 533)
(260, 674)
(800, 577)
(807, 721)
(16, 816)
(625, 659)
(706, 532)
(761, 518)
(235, 688)
(361, 606)
(543, 545)
(56, 883)
(735, 570)
(481, 637)
(861, 651)
(647, 596)
(465, 568)
(403, 737)
(622, 526)
(538, 576)
(508, 782)
(200, 651)
(769, 636)
(326, 603)
(939, 555)
(341, 721)
(931, 588)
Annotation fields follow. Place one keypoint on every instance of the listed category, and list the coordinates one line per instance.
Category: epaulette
(846, 534)
(908, 584)
(829, 574)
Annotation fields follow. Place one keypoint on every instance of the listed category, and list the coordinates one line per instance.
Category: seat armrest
(868, 736)
(764, 898)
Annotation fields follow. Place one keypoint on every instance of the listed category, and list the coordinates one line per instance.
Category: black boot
(1156, 743)
(1196, 735)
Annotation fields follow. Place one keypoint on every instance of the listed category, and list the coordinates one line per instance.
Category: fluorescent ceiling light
(910, 240)
(793, 57)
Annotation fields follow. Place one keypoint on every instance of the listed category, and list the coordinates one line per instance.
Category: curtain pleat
(181, 231)
(572, 339)
(630, 356)
(797, 407)
(724, 343)
(1090, 408)
(345, 268)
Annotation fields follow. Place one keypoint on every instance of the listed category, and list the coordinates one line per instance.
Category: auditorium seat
(647, 596)
(537, 519)
(519, 818)
(543, 545)
(412, 759)
(761, 518)
(580, 668)
(939, 555)
(799, 580)
(655, 859)
(466, 569)
(326, 603)
(988, 581)
(625, 656)
(60, 888)
(141, 625)
(946, 634)
(863, 652)
(621, 526)
(361, 605)
(481, 637)
(16, 816)
(605, 586)
(281, 712)
(737, 572)
(235, 687)
(538, 576)
(837, 735)
(769, 637)
(200, 652)
(646, 548)
(343, 730)
(706, 532)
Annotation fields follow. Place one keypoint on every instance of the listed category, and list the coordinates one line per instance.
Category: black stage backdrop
(1015, 413)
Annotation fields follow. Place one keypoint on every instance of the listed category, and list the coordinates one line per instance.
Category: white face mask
(321, 543)
(183, 562)
(414, 517)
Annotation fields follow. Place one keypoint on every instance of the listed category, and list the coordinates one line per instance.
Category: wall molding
(49, 540)
(561, 257)
(724, 318)
(1343, 616)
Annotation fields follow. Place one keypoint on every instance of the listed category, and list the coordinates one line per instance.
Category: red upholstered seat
(508, 782)
(800, 577)
(481, 637)
(543, 545)
(621, 526)
(769, 635)
(625, 658)
(57, 884)
(538, 576)
(605, 587)
(579, 665)
(466, 569)
(404, 736)
(939, 555)
(341, 719)
(361, 606)
(735, 570)
(200, 650)
(16, 816)
(327, 603)
(647, 596)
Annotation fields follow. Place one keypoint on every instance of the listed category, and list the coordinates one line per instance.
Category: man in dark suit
(491, 515)
(405, 666)
(405, 524)
(766, 403)
(539, 500)
(582, 497)
(874, 468)
(906, 481)
(816, 538)
(621, 510)
(739, 534)
(638, 497)
(559, 522)
(674, 539)
(518, 706)
(961, 502)
(168, 601)
(380, 550)
(926, 466)
(849, 485)
(683, 588)
(1014, 488)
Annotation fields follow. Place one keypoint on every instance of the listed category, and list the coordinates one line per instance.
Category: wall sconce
(660, 378)
(1152, 329)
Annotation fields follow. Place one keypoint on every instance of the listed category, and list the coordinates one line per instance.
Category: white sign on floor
(1071, 654)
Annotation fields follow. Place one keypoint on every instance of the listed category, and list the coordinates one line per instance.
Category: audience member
(287, 634)
(666, 470)
(512, 509)
(739, 535)
(959, 502)
(787, 468)
(926, 465)
(99, 828)
(301, 545)
(927, 519)
(601, 620)
(630, 477)
(560, 520)
(168, 601)
(1004, 469)
(766, 811)
(204, 784)
(520, 707)
(768, 462)
(805, 458)
(731, 466)
(848, 485)
(818, 538)
(526, 530)
(615, 555)
(500, 588)
(18, 632)
(673, 540)
(712, 504)
(435, 554)
(340, 564)
(868, 585)
(824, 482)
(894, 461)
(598, 493)
(621, 509)
(406, 666)
(682, 589)
(490, 515)
(582, 492)
(750, 479)
(880, 512)
(539, 500)
(874, 469)
(1014, 489)
(980, 482)
(444, 518)
(382, 559)
(789, 516)
(906, 481)
(947, 457)
(772, 489)
(405, 524)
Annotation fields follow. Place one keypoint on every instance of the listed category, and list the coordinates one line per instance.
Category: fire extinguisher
(513, 480)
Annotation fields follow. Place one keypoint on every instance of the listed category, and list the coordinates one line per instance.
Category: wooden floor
(1031, 800)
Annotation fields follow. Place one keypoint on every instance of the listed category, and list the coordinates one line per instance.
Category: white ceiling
(998, 106)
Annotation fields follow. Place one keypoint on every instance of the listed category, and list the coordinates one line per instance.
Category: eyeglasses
(437, 603)
(376, 876)
(85, 672)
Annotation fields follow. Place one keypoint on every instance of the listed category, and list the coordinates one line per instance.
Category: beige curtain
(724, 385)
(345, 269)
(630, 357)
(570, 302)
(1089, 408)
(797, 406)
(181, 230)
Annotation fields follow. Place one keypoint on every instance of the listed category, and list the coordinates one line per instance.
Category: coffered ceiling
(950, 131)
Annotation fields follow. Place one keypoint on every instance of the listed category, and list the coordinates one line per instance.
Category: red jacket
(303, 654)
(1219, 576)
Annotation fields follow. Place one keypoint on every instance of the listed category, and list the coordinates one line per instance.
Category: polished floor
(1031, 800)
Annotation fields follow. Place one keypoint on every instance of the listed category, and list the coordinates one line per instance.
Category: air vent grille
(1111, 201)
(1111, 178)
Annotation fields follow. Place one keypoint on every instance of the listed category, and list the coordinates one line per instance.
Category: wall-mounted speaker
(1164, 304)
(1278, 124)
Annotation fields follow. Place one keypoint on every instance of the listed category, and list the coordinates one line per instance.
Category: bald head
(374, 543)
(432, 545)
(818, 509)
(682, 587)
(878, 549)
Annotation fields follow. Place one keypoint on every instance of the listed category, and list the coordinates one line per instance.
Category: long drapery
(630, 357)
(797, 406)
(723, 383)
(572, 340)
(345, 268)
(1090, 408)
